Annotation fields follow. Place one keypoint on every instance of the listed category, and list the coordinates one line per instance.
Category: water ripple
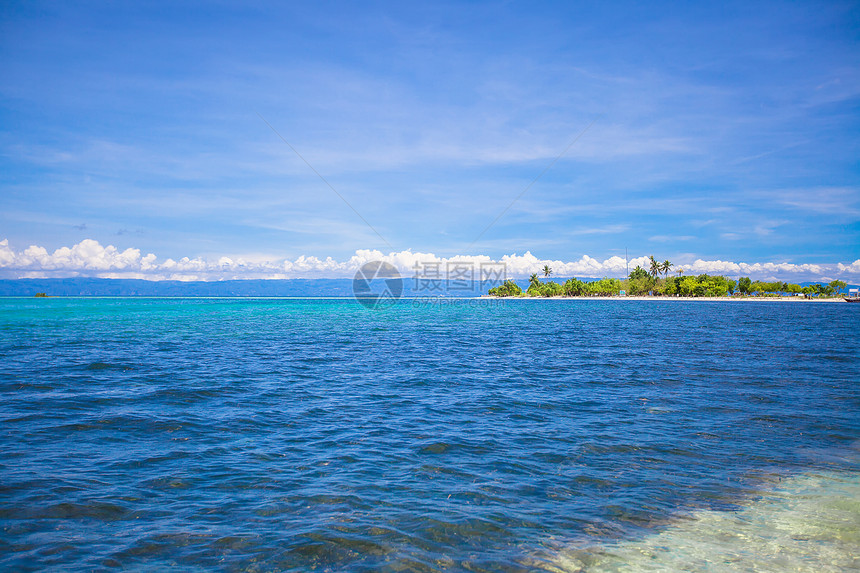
(299, 435)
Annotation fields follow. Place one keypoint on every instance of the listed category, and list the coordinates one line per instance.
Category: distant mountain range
(82, 286)
(137, 287)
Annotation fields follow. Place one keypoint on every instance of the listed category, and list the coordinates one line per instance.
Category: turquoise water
(293, 435)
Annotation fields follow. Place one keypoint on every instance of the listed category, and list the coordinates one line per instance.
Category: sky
(257, 139)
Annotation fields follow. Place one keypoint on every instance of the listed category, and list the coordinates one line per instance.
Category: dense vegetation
(507, 288)
(642, 282)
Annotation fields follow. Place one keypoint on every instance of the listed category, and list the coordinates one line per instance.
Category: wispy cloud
(604, 230)
(842, 201)
(670, 238)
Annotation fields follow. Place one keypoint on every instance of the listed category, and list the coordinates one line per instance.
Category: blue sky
(718, 131)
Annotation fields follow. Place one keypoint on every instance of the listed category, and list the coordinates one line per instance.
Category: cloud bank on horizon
(721, 131)
(89, 258)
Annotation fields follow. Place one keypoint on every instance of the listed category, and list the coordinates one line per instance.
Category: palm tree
(665, 266)
(547, 271)
(655, 266)
(680, 271)
(533, 279)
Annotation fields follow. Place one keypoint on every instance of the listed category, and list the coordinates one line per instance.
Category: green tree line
(643, 282)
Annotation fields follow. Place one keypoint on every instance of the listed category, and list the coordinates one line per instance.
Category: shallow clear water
(808, 523)
(482, 436)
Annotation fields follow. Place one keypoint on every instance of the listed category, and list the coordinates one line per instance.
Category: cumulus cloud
(90, 258)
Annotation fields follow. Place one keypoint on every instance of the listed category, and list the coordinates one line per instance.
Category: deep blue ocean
(476, 435)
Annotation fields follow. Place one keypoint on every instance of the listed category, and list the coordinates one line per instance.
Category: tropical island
(656, 282)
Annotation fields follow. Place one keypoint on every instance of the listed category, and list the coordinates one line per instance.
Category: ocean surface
(476, 435)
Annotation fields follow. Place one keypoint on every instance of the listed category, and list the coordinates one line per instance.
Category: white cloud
(853, 268)
(7, 257)
(90, 258)
(88, 255)
(670, 238)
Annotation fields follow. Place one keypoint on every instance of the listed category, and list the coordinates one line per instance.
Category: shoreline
(425, 298)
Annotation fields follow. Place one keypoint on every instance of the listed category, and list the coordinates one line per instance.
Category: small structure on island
(852, 296)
